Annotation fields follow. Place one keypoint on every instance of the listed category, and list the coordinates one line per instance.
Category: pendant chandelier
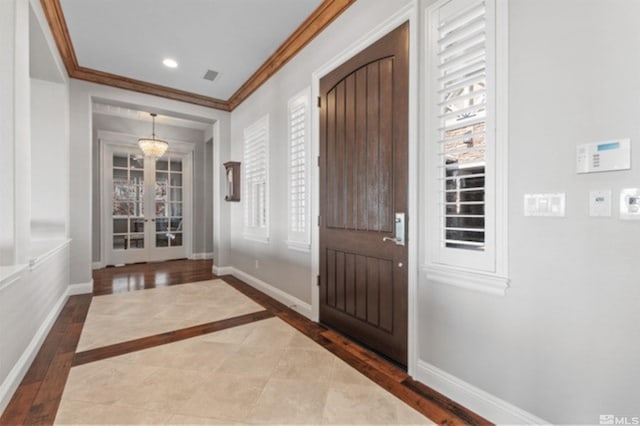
(153, 147)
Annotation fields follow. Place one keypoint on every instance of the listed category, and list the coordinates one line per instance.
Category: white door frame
(116, 139)
(407, 13)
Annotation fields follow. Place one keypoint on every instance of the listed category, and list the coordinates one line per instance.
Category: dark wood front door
(363, 184)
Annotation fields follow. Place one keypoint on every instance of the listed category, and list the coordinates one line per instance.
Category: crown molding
(324, 14)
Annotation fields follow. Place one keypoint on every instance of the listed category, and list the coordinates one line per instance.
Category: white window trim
(256, 233)
(490, 275)
(300, 241)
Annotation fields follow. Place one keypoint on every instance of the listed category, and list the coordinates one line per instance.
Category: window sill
(256, 239)
(470, 280)
(298, 246)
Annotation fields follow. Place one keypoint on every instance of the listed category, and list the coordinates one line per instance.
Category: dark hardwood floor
(140, 276)
(37, 399)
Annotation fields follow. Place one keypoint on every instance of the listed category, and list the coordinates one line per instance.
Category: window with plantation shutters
(256, 180)
(462, 115)
(463, 139)
(298, 134)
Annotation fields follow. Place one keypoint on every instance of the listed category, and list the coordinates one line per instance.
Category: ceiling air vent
(210, 75)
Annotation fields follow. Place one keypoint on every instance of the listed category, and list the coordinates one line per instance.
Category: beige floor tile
(235, 335)
(122, 317)
(83, 413)
(166, 390)
(301, 341)
(290, 402)
(345, 374)
(223, 396)
(304, 364)
(104, 382)
(272, 332)
(254, 361)
(179, 419)
(408, 416)
(190, 354)
(358, 404)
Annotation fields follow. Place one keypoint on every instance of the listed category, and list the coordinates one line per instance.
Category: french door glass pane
(162, 224)
(162, 210)
(162, 240)
(176, 209)
(120, 226)
(162, 178)
(120, 160)
(176, 165)
(176, 179)
(119, 242)
(136, 161)
(176, 241)
(128, 201)
(162, 164)
(176, 194)
(176, 224)
(136, 241)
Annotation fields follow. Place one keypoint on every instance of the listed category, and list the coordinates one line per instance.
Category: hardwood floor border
(142, 343)
(37, 398)
(395, 380)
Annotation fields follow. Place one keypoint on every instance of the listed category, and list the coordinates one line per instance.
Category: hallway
(211, 350)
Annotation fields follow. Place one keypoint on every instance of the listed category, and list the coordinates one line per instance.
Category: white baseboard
(98, 265)
(482, 403)
(221, 270)
(82, 288)
(282, 297)
(201, 256)
(13, 379)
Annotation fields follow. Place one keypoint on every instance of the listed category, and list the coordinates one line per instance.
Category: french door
(144, 206)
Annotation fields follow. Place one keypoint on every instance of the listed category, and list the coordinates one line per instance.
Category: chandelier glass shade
(152, 147)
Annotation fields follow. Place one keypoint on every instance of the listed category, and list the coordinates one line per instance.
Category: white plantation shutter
(461, 68)
(256, 191)
(298, 129)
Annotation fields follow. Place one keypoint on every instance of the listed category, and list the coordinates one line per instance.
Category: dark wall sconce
(233, 180)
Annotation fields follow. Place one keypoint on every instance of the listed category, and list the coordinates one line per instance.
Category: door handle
(399, 231)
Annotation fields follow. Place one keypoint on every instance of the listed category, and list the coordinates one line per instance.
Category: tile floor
(265, 372)
(121, 317)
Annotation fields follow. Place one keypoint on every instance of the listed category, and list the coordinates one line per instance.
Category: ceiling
(123, 42)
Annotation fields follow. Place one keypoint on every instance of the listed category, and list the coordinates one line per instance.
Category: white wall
(49, 160)
(81, 96)
(203, 236)
(34, 174)
(28, 308)
(286, 269)
(7, 116)
(563, 343)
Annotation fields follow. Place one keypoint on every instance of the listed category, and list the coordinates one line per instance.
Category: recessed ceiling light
(171, 63)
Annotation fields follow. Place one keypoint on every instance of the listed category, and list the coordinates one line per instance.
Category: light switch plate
(549, 205)
(600, 203)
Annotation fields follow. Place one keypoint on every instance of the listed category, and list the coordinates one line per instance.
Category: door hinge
(319, 101)
(318, 161)
(318, 220)
(318, 281)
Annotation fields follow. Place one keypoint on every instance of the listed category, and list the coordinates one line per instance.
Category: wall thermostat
(630, 204)
(603, 156)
